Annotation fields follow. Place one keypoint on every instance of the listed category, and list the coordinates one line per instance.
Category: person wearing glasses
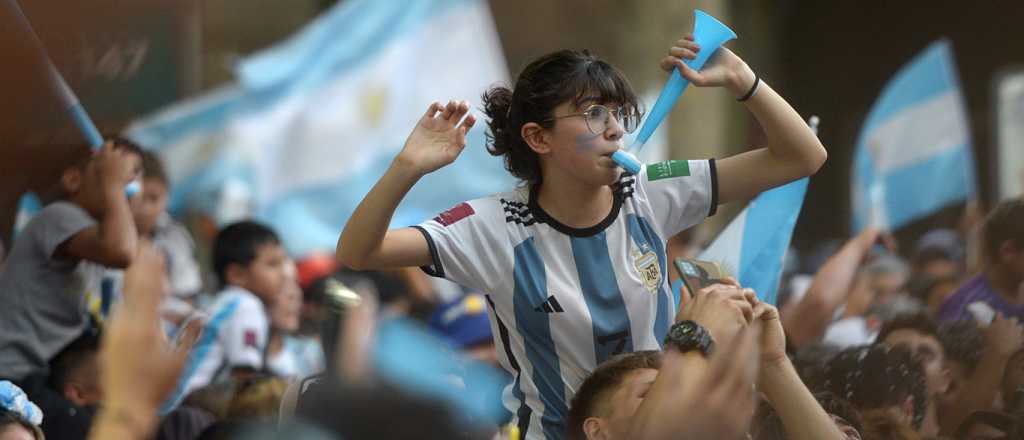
(573, 259)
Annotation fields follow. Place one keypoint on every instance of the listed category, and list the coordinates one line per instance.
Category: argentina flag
(753, 246)
(913, 155)
(312, 123)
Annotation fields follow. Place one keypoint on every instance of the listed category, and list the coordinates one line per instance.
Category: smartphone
(698, 274)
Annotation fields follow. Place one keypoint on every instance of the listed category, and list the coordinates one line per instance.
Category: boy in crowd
(170, 238)
(253, 268)
(60, 257)
(918, 333)
(75, 376)
(1000, 285)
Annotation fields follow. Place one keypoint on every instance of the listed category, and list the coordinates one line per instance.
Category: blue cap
(464, 321)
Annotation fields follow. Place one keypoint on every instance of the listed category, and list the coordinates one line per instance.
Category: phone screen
(697, 274)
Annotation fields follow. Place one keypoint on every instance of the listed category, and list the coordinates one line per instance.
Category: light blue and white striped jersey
(563, 300)
(235, 336)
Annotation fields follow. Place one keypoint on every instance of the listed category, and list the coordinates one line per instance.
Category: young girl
(573, 261)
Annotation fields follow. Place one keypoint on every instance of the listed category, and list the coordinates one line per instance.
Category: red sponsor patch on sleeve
(250, 338)
(455, 214)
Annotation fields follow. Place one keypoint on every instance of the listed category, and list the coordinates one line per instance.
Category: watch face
(686, 329)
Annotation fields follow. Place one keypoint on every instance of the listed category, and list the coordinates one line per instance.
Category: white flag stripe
(919, 133)
(726, 248)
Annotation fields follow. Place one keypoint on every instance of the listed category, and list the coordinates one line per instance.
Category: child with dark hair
(61, 257)
(154, 223)
(918, 333)
(879, 378)
(978, 359)
(1000, 286)
(253, 269)
(573, 261)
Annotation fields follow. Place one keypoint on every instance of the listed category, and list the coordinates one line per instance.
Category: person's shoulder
(487, 209)
(60, 210)
(237, 300)
(498, 201)
(169, 229)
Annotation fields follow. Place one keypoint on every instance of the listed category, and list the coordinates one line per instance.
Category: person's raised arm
(113, 242)
(140, 367)
(808, 319)
(366, 242)
(713, 392)
(793, 151)
(801, 415)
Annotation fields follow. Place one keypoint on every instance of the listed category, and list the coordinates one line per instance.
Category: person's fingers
(745, 309)
(461, 108)
(683, 52)
(685, 38)
(732, 292)
(189, 335)
(432, 110)
(768, 312)
(751, 296)
(691, 75)
(687, 44)
(668, 63)
(449, 110)
(730, 280)
(708, 290)
(467, 124)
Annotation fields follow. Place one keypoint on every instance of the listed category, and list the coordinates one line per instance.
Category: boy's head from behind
(1004, 237)
(75, 371)
(152, 202)
(82, 181)
(249, 255)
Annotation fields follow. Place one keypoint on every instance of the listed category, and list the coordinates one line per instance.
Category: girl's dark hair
(555, 78)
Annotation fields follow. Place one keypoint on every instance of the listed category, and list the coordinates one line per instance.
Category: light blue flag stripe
(896, 196)
(771, 218)
(753, 246)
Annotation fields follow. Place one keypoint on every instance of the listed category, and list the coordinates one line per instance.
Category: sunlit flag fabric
(312, 123)
(753, 246)
(913, 155)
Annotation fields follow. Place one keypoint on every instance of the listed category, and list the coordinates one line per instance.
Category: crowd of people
(113, 327)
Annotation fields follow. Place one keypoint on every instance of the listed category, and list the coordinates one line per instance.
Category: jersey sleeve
(680, 193)
(57, 223)
(466, 242)
(245, 338)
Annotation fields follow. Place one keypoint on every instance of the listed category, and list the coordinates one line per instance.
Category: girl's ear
(71, 180)
(536, 137)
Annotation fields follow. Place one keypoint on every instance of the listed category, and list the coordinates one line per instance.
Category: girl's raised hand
(439, 137)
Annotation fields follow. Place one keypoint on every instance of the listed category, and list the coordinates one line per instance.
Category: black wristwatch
(688, 335)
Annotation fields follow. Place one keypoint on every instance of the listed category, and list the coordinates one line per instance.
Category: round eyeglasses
(597, 116)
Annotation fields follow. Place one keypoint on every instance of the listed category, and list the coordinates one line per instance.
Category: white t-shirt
(235, 336)
(563, 300)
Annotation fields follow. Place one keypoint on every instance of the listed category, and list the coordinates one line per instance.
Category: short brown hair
(1004, 223)
(604, 380)
(153, 168)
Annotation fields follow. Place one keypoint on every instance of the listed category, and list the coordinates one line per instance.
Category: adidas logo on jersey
(550, 306)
